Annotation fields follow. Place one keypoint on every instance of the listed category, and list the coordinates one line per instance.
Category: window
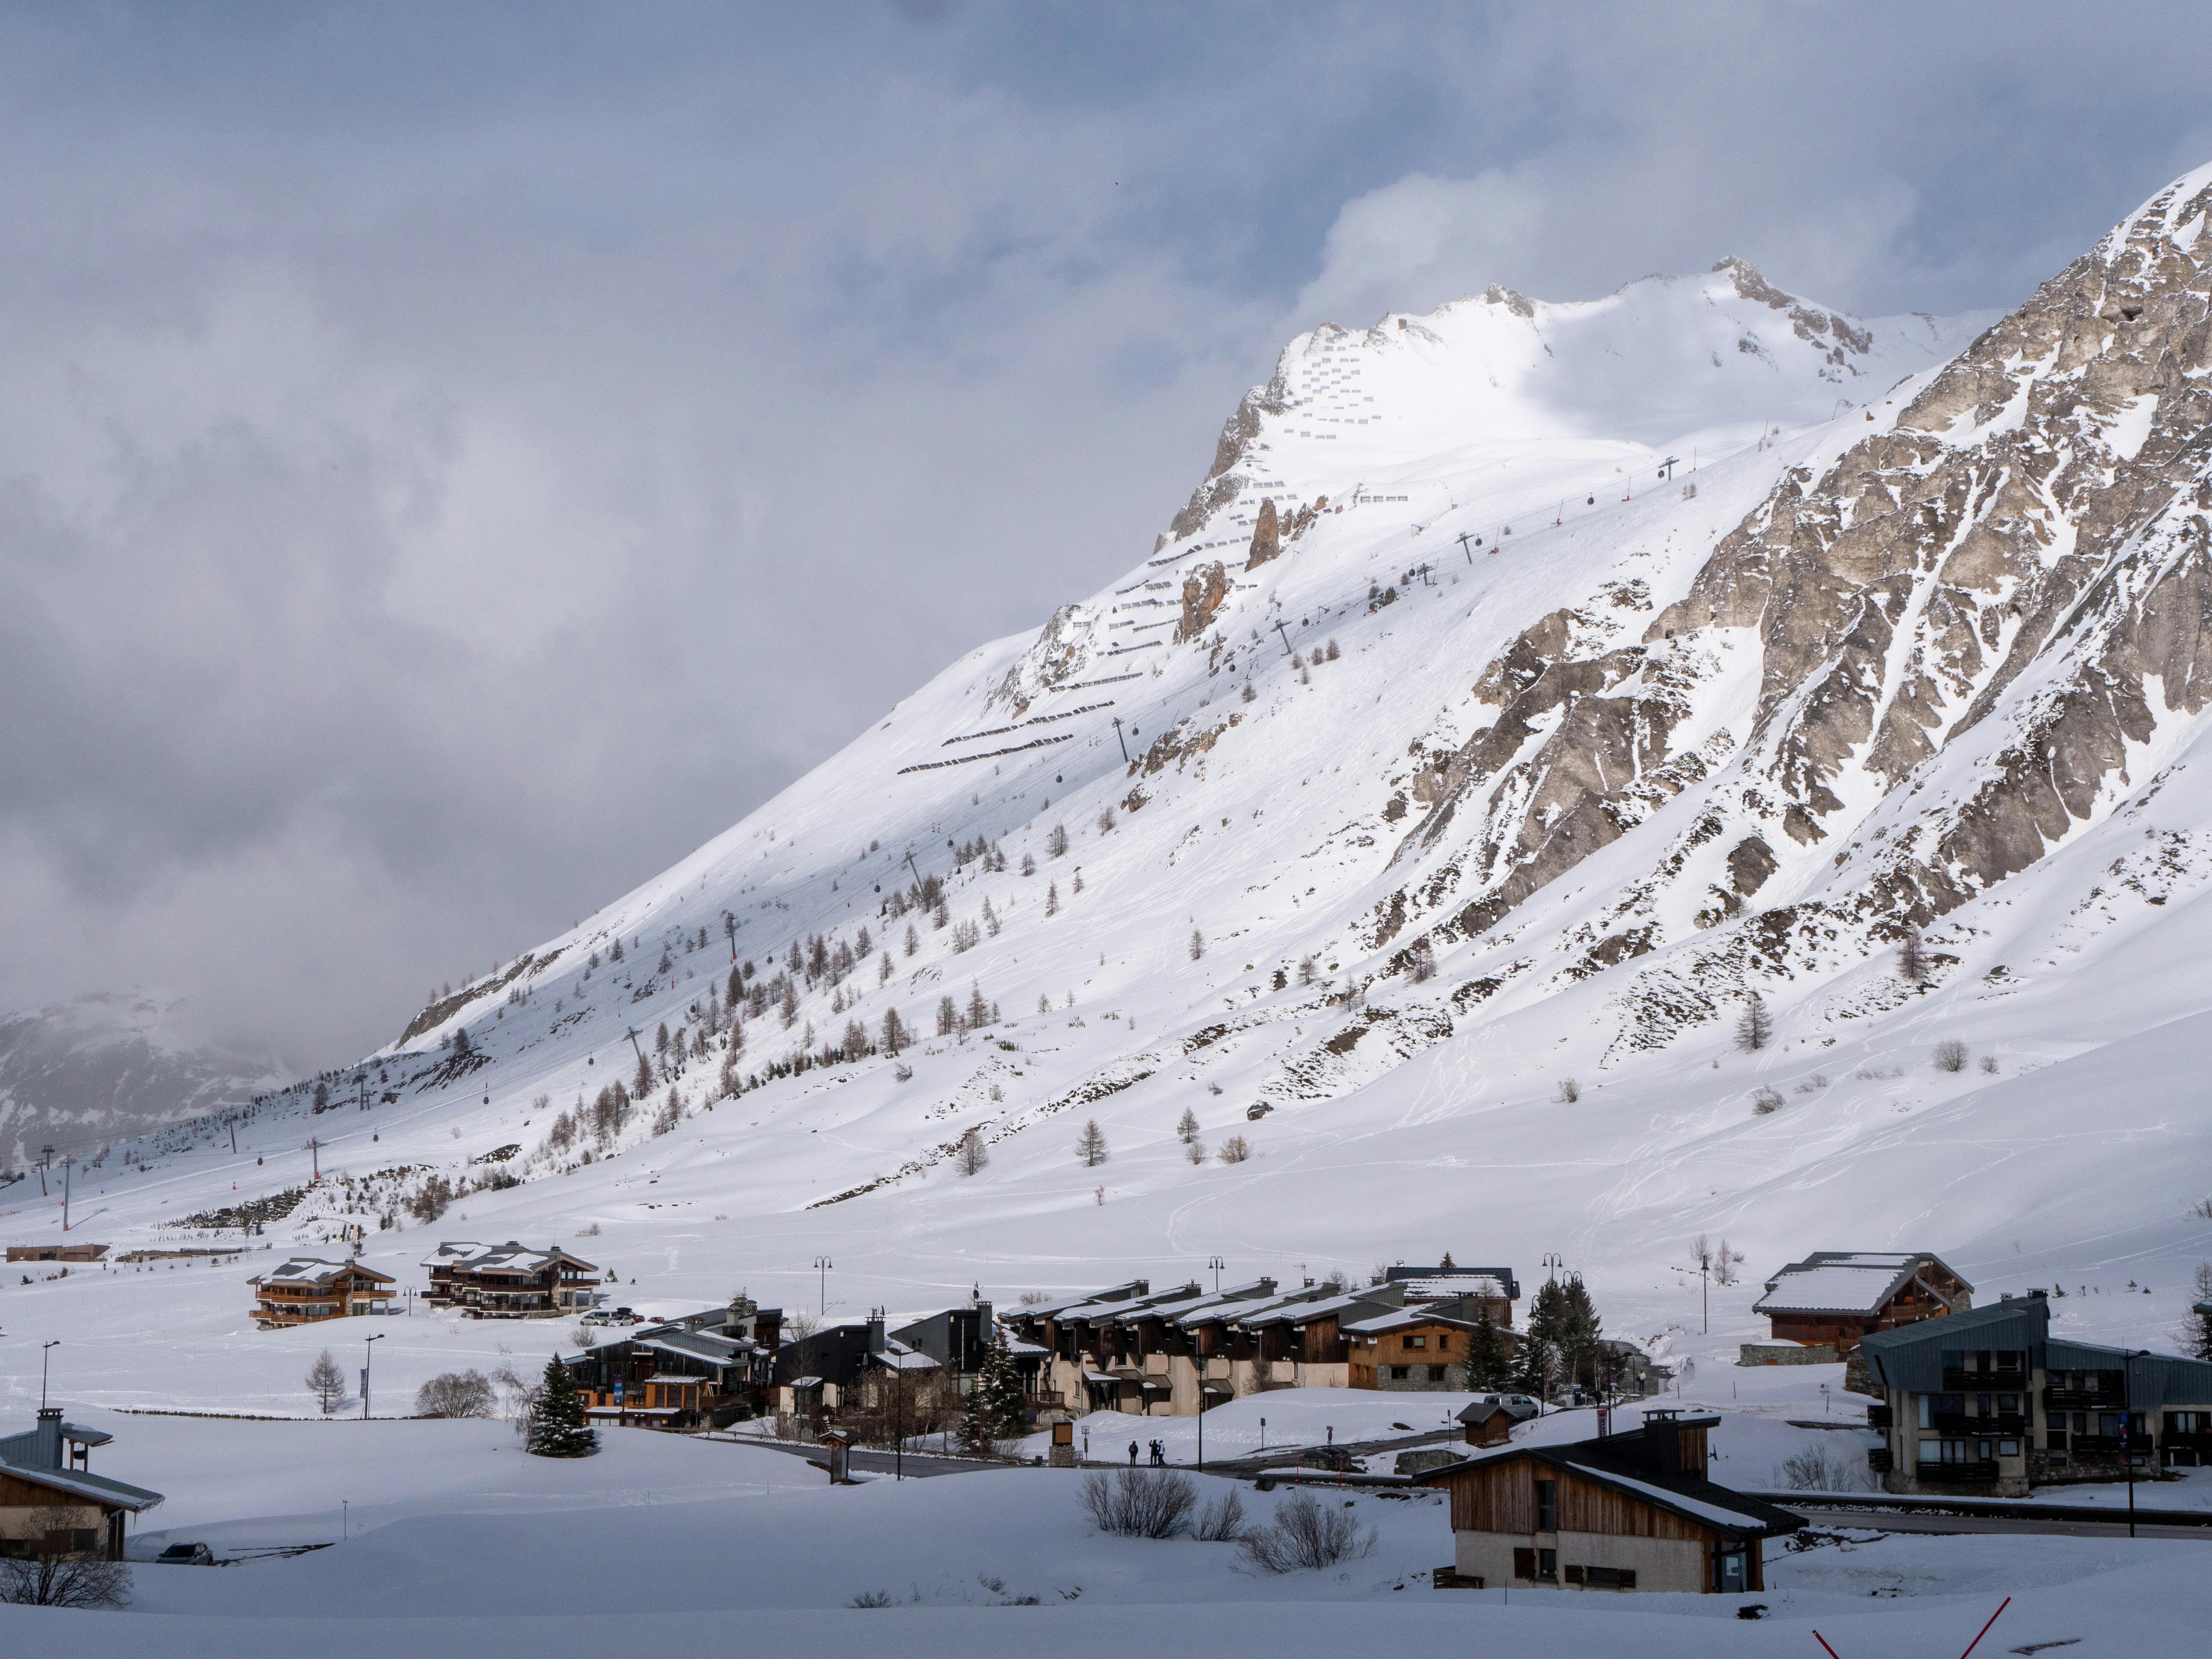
(1547, 1564)
(2007, 1448)
(1417, 1342)
(1400, 1373)
(1926, 1421)
(1524, 1564)
(1547, 1506)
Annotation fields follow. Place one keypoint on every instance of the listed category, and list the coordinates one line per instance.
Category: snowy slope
(1905, 638)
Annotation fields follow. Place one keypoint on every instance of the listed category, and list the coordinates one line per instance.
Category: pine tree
(2199, 1339)
(895, 1036)
(1755, 1028)
(557, 1425)
(971, 1157)
(1090, 1144)
(1579, 1332)
(1487, 1366)
(1186, 1126)
(1197, 945)
(913, 939)
(1052, 898)
(643, 1086)
(979, 1012)
(996, 1407)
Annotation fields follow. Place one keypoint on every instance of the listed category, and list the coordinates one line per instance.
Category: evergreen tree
(643, 1086)
(1186, 1126)
(1913, 956)
(1579, 1332)
(2199, 1339)
(1487, 1366)
(557, 1426)
(995, 1408)
(1090, 1144)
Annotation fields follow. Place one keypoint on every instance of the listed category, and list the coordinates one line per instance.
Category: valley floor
(444, 1537)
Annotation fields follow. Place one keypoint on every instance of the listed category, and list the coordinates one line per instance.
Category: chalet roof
(79, 1483)
(1846, 1281)
(1112, 1293)
(896, 1356)
(1406, 1318)
(708, 1349)
(510, 1257)
(1233, 1308)
(313, 1270)
(40, 1446)
(1438, 1283)
(1614, 1461)
(1371, 1302)
(1482, 1412)
(1100, 1312)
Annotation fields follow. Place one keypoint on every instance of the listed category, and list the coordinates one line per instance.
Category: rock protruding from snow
(1267, 538)
(1203, 590)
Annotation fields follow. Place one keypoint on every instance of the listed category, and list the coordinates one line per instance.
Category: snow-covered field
(455, 1542)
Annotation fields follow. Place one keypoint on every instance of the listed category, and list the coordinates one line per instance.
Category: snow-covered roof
(1298, 1313)
(510, 1257)
(1405, 1318)
(313, 1270)
(1443, 1288)
(1844, 1281)
(1111, 1293)
(82, 1484)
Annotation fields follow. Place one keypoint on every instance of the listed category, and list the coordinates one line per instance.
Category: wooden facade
(1626, 1513)
(304, 1290)
(1834, 1299)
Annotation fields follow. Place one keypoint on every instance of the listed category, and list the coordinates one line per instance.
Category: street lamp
(1217, 1264)
(822, 1265)
(43, 1351)
(366, 1351)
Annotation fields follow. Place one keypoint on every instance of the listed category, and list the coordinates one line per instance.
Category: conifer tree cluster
(995, 1408)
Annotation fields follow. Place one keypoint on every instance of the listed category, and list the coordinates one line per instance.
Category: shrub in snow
(1823, 1469)
(1570, 1092)
(1140, 1503)
(1765, 1100)
(1306, 1536)
(1235, 1149)
(62, 1581)
(1950, 1056)
(455, 1394)
(1221, 1520)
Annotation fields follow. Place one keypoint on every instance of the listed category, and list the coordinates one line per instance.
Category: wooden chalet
(711, 1367)
(69, 1252)
(1630, 1511)
(1419, 1348)
(51, 1503)
(307, 1288)
(1830, 1299)
(510, 1280)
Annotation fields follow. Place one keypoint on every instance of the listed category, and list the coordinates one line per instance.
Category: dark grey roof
(1848, 1281)
(1911, 1358)
(1616, 1462)
(118, 1493)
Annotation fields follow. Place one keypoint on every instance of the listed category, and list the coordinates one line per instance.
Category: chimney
(875, 1330)
(2040, 1296)
(46, 1449)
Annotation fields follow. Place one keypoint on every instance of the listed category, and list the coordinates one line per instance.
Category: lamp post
(1217, 1264)
(43, 1351)
(822, 1265)
(366, 1351)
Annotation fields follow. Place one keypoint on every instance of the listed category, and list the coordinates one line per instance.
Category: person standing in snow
(1133, 1454)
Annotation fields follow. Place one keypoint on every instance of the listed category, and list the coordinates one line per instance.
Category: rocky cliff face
(1973, 630)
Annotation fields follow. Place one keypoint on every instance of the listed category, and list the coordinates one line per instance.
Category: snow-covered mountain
(1524, 687)
(106, 1068)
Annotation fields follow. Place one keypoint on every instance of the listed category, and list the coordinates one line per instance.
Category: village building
(1630, 1511)
(1494, 1288)
(1163, 1353)
(1421, 1347)
(307, 1288)
(859, 1366)
(510, 1280)
(70, 1252)
(50, 1501)
(1819, 1308)
(712, 1367)
(1988, 1401)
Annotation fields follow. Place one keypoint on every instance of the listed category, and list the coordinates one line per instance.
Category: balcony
(1879, 1459)
(2080, 1399)
(1956, 1381)
(1878, 1417)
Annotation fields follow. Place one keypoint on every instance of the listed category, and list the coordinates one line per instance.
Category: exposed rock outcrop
(1203, 590)
(1267, 538)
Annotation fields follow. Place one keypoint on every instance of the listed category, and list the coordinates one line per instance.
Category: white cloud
(1415, 244)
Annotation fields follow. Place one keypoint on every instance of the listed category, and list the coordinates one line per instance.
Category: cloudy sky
(458, 458)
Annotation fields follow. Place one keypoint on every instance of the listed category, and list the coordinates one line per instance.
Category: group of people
(1159, 1454)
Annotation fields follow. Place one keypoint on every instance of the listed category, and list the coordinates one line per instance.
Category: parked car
(603, 1316)
(1521, 1405)
(1330, 1457)
(186, 1555)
